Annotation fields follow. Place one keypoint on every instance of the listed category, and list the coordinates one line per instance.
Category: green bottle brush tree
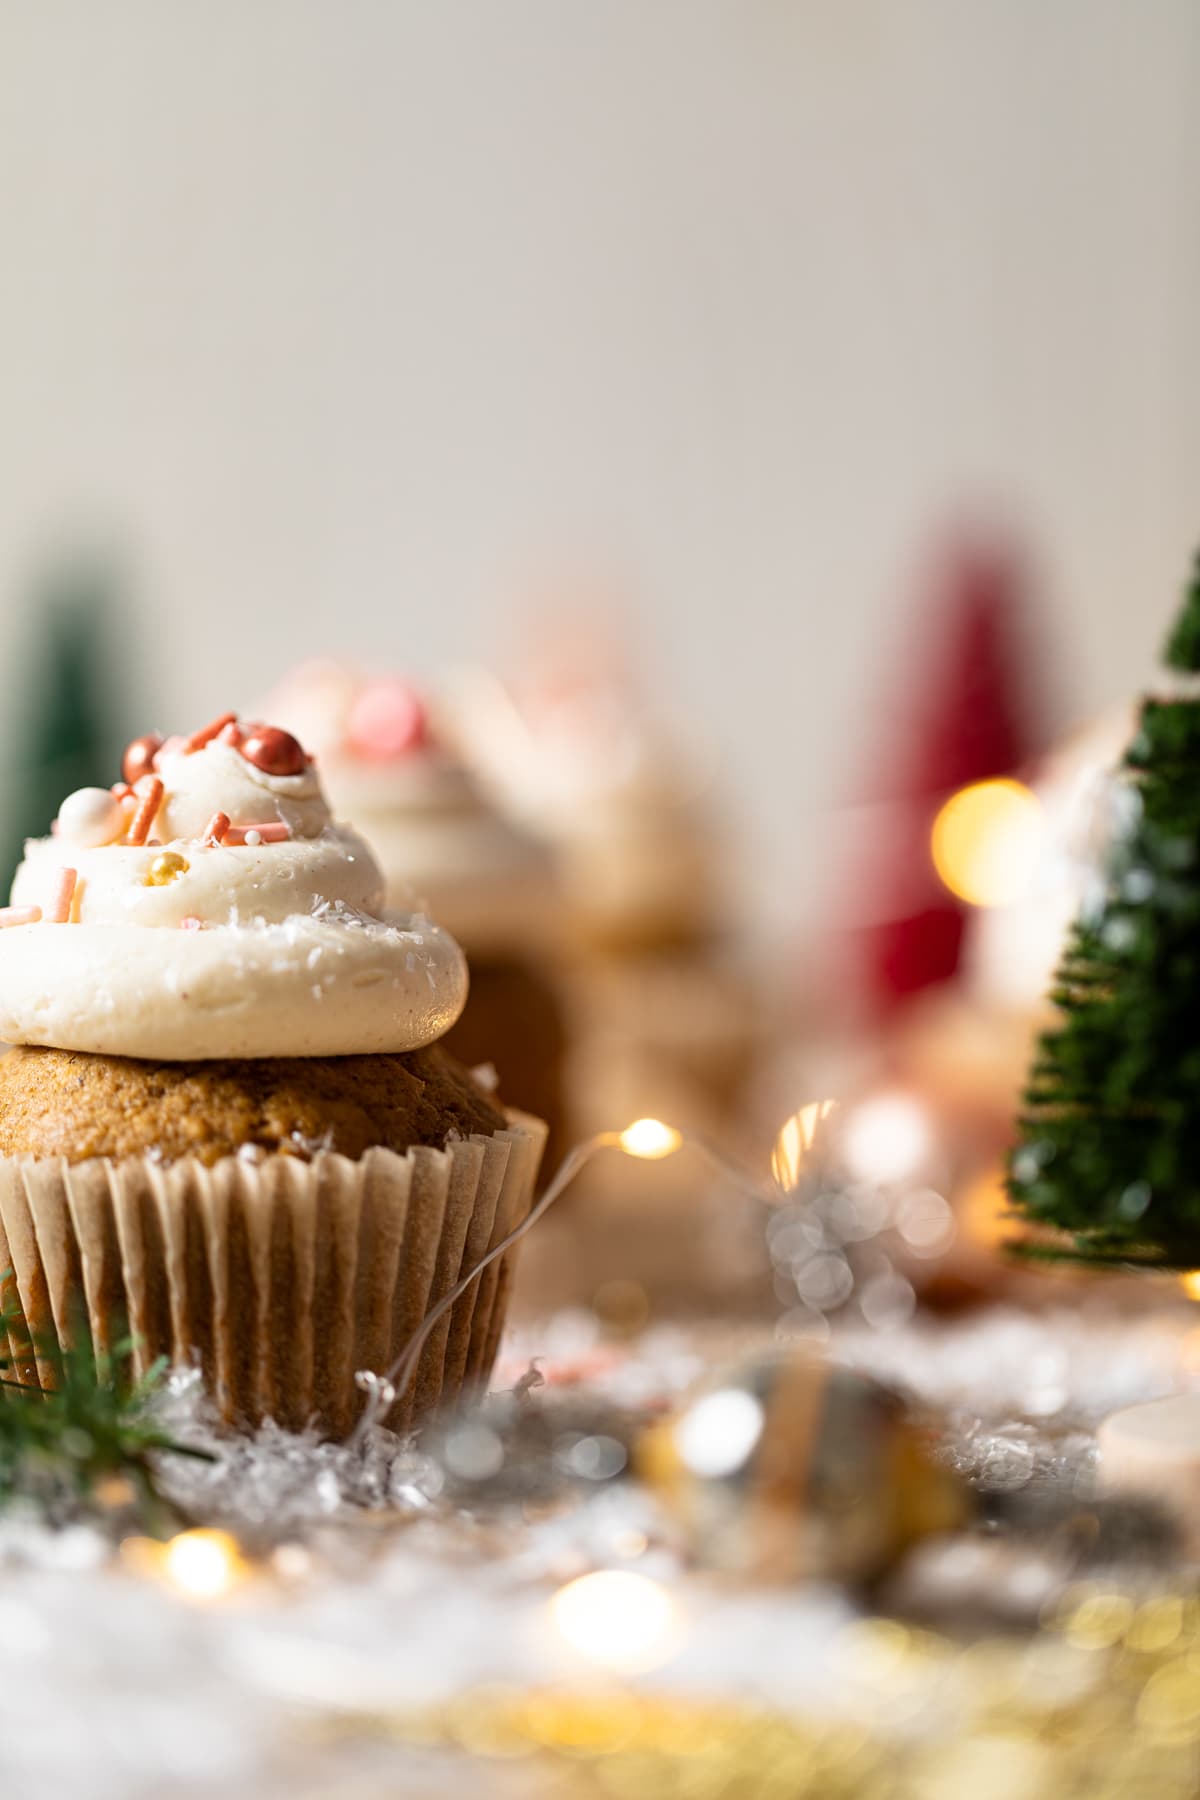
(1109, 1136)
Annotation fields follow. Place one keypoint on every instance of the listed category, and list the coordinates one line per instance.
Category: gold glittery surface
(1102, 1704)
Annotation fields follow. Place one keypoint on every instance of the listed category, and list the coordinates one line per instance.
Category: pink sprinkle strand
(149, 801)
(216, 829)
(231, 735)
(59, 910)
(191, 923)
(19, 915)
(274, 832)
(198, 739)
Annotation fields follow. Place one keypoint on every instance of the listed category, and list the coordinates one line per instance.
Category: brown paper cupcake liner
(279, 1279)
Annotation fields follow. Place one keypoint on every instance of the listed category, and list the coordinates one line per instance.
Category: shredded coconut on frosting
(214, 909)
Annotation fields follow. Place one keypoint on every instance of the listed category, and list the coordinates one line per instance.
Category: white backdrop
(348, 313)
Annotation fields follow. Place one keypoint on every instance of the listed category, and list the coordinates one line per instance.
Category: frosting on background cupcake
(209, 907)
(441, 842)
(577, 758)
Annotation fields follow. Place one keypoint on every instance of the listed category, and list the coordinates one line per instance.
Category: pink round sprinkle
(387, 719)
(191, 923)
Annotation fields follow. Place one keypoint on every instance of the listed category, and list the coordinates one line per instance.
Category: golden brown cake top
(63, 1103)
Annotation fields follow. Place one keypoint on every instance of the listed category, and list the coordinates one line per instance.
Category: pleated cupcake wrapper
(278, 1278)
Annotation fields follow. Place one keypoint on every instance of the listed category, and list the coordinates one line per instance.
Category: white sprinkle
(253, 838)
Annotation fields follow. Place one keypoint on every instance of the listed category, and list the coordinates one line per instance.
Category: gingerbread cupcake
(229, 1129)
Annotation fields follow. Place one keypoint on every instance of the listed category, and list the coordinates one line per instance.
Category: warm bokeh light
(887, 1138)
(203, 1565)
(718, 1432)
(985, 1210)
(986, 841)
(650, 1139)
(795, 1140)
(1191, 1284)
(617, 1619)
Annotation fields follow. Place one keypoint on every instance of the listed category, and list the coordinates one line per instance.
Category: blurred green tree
(63, 733)
(1109, 1147)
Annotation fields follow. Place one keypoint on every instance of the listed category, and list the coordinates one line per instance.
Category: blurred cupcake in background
(663, 1006)
(571, 749)
(446, 849)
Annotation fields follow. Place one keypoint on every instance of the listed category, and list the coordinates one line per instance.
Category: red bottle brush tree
(969, 710)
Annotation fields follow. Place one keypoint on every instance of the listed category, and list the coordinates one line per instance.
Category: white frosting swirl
(219, 779)
(184, 950)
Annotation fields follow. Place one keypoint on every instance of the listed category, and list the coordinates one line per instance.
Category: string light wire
(648, 1140)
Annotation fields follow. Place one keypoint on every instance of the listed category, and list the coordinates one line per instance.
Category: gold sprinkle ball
(167, 867)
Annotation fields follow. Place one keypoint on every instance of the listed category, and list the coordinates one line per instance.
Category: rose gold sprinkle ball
(139, 757)
(273, 751)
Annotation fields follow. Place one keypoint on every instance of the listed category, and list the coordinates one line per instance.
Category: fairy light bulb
(650, 1139)
(986, 841)
(201, 1565)
(794, 1142)
(616, 1619)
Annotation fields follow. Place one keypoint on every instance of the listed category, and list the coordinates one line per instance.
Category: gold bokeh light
(986, 841)
(202, 1565)
(616, 1619)
(796, 1138)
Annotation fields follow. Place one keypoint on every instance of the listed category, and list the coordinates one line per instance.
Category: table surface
(401, 1649)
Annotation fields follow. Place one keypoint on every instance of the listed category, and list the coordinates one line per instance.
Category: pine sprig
(89, 1439)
